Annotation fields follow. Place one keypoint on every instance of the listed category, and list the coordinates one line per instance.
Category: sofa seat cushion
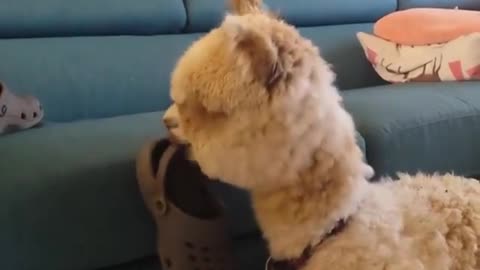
(206, 14)
(419, 126)
(46, 18)
(68, 193)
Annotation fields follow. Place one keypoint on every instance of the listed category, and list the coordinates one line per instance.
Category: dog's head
(255, 102)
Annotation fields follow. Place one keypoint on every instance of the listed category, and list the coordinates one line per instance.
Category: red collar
(299, 262)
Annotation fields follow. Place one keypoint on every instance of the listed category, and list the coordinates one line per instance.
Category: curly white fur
(256, 103)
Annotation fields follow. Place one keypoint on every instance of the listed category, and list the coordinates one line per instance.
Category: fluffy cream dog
(256, 103)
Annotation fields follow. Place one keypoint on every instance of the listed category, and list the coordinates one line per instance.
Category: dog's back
(442, 211)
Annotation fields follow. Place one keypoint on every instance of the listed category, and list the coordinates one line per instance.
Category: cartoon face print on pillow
(456, 60)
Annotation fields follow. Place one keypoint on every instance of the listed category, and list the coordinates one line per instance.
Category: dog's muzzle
(172, 122)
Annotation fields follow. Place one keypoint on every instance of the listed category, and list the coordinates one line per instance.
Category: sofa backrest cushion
(34, 18)
(205, 14)
(79, 78)
(92, 77)
(463, 4)
(339, 46)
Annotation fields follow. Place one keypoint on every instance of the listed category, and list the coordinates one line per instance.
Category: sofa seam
(382, 130)
(187, 17)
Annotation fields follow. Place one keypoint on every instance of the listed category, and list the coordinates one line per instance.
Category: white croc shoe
(18, 112)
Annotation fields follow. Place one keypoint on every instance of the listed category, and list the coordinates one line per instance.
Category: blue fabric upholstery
(206, 14)
(340, 47)
(425, 126)
(90, 77)
(34, 18)
(93, 77)
(69, 198)
(78, 201)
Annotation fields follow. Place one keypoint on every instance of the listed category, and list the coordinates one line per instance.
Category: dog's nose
(170, 123)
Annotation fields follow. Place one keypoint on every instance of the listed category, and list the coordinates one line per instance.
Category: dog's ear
(242, 7)
(259, 49)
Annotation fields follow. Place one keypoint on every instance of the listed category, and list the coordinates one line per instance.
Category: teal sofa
(68, 194)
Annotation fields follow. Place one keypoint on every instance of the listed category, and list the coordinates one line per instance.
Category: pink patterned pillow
(423, 26)
(455, 60)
